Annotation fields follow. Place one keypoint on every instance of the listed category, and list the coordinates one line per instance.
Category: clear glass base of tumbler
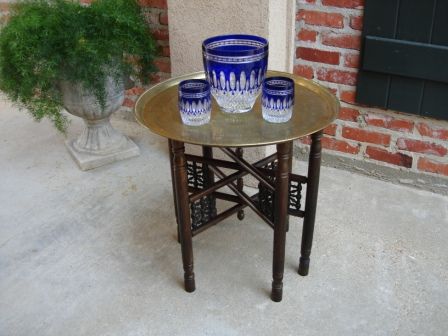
(277, 116)
(196, 120)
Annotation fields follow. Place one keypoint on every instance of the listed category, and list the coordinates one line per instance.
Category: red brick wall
(328, 43)
(156, 12)
(157, 17)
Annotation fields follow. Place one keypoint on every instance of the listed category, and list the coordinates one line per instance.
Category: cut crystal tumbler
(277, 100)
(194, 102)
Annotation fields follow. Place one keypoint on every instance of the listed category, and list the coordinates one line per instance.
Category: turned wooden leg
(170, 153)
(312, 189)
(209, 179)
(209, 176)
(240, 182)
(284, 157)
(183, 211)
(289, 189)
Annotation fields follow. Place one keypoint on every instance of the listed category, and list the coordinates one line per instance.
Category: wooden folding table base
(195, 192)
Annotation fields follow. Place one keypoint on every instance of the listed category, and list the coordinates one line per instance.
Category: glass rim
(286, 83)
(263, 47)
(194, 86)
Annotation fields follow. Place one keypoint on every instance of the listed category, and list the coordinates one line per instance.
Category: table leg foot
(304, 266)
(277, 291)
(189, 282)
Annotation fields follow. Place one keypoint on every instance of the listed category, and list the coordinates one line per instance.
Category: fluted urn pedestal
(99, 143)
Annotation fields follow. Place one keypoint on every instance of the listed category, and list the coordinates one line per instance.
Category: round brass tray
(315, 108)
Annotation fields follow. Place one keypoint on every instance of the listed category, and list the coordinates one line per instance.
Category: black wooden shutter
(404, 58)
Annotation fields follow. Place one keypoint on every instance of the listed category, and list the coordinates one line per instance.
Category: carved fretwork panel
(204, 209)
(266, 196)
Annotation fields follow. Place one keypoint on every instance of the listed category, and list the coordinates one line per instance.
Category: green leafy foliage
(46, 41)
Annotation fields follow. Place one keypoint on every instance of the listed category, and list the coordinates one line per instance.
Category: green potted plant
(57, 54)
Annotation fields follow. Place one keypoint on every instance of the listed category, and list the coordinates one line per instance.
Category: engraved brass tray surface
(315, 108)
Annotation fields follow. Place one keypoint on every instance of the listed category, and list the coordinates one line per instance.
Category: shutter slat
(406, 58)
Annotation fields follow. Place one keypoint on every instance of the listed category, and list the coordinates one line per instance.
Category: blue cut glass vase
(235, 66)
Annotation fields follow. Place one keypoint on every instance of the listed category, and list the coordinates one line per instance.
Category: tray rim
(322, 91)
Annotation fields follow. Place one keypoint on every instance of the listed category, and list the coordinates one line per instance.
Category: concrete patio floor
(95, 253)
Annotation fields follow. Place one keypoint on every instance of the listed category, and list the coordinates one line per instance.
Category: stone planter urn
(99, 143)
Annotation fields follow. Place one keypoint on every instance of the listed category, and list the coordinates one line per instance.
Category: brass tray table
(197, 179)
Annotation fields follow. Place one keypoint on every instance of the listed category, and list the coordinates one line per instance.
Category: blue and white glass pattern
(235, 66)
(194, 102)
(277, 99)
